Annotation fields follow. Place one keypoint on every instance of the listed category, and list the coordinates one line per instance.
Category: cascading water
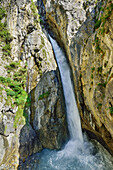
(77, 154)
(73, 118)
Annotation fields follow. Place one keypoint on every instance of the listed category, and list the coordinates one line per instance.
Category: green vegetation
(14, 86)
(91, 76)
(97, 24)
(12, 65)
(99, 69)
(19, 118)
(99, 106)
(92, 83)
(89, 89)
(111, 110)
(2, 13)
(44, 95)
(28, 101)
(107, 11)
(80, 75)
(14, 90)
(4, 33)
(34, 11)
(10, 92)
(102, 84)
(92, 69)
(98, 49)
(20, 74)
(42, 41)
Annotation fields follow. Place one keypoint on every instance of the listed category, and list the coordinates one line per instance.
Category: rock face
(84, 30)
(25, 56)
(47, 121)
(29, 123)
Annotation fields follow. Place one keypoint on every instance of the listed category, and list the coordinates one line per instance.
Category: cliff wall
(84, 30)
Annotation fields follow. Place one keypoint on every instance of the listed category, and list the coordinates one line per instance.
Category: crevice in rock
(4, 135)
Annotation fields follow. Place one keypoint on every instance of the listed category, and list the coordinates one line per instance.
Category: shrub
(10, 92)
(5, 80)
(7, 48)
(12, 65)
(2, 13)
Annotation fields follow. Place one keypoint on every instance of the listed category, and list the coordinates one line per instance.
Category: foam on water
(76, 154)
(90, 157)
(74, 124)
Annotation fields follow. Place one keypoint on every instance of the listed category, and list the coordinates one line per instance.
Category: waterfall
(76, 154)
(73, 118)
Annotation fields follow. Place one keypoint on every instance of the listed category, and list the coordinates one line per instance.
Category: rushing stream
(77, 154)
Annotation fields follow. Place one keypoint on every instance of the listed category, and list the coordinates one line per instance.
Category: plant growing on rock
(44, 95)
(4, 33)
(111, 110)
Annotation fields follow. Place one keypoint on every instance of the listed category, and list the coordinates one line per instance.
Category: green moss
(92, 83)
(4, 33)
(5, 80)
(34, 11)
(12, 65)
(1, 88)
(28, 101)
(9, 101)
(111, 110)
(42, 41)
(44, 95)
(41, 46)
(2, 12)
(102, 30)
(89, 89)
(16, 92)
(102, 84)
(91, 76)
(97, 24)
(7, 48)
(19, 118)
(5, 129)
(92, 69)
(99, 69)
(106, 14)
(40, 72)
(99, 106)
(98, 49)
(80, 75)
(10, 92)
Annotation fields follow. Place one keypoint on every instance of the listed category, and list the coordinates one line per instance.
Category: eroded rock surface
(25, 55)
(84, 29)
(47, 118)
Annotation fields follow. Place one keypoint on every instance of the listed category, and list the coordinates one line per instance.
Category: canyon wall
(32, 108)
(29, 122)
(84, 30)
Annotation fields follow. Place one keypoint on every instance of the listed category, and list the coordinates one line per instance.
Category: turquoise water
(89, 156)
(77, 154)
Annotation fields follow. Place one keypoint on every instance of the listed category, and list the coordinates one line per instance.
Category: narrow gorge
(56, 84)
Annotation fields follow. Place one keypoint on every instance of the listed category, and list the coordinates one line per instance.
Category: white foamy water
(77, 154)
(73, 118)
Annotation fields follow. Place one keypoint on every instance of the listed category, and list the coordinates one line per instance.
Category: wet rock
(89, 51)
